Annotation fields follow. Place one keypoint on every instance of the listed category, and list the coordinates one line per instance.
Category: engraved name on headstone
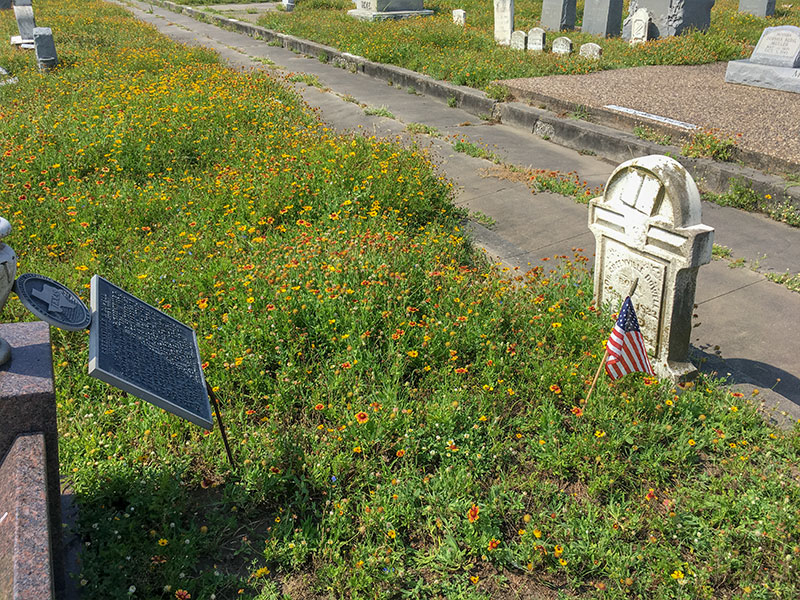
(648, 226)
(774, 63)
(779, 47)
(139, 349)
(536, 39)
(503, 21)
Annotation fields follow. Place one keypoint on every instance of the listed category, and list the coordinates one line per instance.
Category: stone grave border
(603, 140)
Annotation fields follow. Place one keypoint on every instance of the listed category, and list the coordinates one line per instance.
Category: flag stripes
(626, 351)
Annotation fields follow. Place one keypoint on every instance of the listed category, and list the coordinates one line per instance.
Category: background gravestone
(640, 26)
(460, 17)
(759, 8)
(381, 10)
(45, 48)
(5, 4)
(536, 39)
(519, 40)
(23, 11)
(602, 17)
(503, 21)
(648, 226)
(558, 15)
(591, 50)
(775, 63)
(671, 17)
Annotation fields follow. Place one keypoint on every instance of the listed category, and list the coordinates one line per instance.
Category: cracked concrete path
(745, 325)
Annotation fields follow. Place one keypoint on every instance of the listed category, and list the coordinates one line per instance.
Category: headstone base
(764, 76)
(367, 15)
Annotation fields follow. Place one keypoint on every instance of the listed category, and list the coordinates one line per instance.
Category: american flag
(626, 352)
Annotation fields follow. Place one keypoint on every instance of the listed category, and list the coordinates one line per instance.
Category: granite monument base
(28, 406)
(746, 72)
(366, 15)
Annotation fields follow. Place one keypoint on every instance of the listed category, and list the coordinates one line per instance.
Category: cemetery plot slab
(139, 349)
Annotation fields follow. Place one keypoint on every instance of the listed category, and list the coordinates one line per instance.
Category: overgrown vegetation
(742, 196)
(710, 143)
(470, 56)
(651, 135)
(408, 421)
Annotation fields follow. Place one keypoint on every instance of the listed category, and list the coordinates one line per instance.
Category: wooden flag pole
(213, 397)
(605, 354)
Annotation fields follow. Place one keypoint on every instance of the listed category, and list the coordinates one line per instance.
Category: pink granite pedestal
(28, 406)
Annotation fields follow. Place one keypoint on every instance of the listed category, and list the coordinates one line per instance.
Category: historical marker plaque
(139, 349)
(52, 302)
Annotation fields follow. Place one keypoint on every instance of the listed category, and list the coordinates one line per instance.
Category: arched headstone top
(654, 189)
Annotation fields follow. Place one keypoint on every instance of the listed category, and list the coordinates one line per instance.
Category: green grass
(469, 56)
(742, 196)
(408, 420)
(422, 128)
(474, 150)
(651, 135)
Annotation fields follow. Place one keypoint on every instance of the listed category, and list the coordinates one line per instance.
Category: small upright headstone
(671, 17)
(640, 26)
(602, 17)
(45, 48)
(288, 5)
(759, 8)
(591, 50)
(775, 63)
(562, 45)
(460, 17)
(23, 11)
(558, 15)
(518, 40)
(648, 226)
(536, 39)
(503, 21)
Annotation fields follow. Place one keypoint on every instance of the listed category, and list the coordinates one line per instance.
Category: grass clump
(474, 150)
(407, 419)
(379, 111)
(651, 135)
(422, 128)
(710, 143)
(744, 197)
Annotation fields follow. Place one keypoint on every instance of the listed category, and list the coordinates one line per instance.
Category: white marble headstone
(536, 39)
(647, 226)
(503, 21)
(460, 17)
(591, 50)
(518, 40)
(640, 26)
(562, 45)
(779, 47)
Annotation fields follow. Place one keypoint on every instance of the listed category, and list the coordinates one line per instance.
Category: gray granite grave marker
(460, 17)
(45, 48)
(562, 45)
(671, 17)
(648, 226)
(759, 8)
(537, 38)
(5, 4)
(775, 63)
(558, 15)
(519, 40)
(503, 21)
(602, 17)
(591, 50)
(147, 353)
(381, 10)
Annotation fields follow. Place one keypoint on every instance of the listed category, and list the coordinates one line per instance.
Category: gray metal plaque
(52, 302)
(139, 349)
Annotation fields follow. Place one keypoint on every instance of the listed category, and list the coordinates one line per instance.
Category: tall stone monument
(558, 15)
(671, 17)
(503, 21)
(602, 17)
(648, 226)
(775, 63)
(381, 10)
(759, 8)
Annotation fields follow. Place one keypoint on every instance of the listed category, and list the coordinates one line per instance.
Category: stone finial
(648, 226)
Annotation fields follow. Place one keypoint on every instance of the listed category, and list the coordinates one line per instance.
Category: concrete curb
(608, 143)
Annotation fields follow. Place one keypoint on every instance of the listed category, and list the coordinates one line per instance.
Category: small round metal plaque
(52, 302)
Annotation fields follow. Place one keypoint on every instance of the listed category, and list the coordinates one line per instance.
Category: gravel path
(768, 120)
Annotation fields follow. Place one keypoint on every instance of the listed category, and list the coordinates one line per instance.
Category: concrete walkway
(745, 325)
